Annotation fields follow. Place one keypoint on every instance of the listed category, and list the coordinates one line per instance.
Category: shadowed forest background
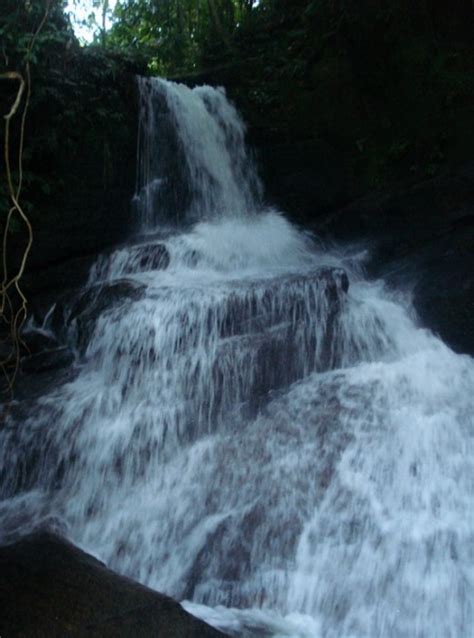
(387, 87)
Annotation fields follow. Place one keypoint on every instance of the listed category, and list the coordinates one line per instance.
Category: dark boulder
(64, 274)
(92, 302)
(37, 340)
(49, 587)
(306, 179)
(421, 237)
(404, 218)
(50, 359)
(440, 273)
(45, 363)
(444, 289)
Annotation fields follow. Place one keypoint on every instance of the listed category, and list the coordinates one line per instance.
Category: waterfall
(251, 426)
(203, 169)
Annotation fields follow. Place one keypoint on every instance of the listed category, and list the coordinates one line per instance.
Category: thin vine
(13, 302)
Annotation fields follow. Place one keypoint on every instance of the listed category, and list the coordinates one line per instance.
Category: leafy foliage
(79, 102)
(388, 83)
(176, 33)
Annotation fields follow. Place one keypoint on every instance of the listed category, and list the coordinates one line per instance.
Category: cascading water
(193, 163)
(243, 432)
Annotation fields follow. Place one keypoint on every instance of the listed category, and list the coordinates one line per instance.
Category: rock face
(49, 588)
(422, 237)
(444, 292)
(305, 180)
(151, 257)
(51, 359)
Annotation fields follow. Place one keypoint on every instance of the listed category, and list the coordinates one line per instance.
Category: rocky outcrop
(94, 300)
(444, 290)
(49, 588)
(150, 257)
(421, 237)
(305, 180)
(48, 359)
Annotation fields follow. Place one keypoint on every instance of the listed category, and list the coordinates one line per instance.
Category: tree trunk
(105, 9)
(221, 31)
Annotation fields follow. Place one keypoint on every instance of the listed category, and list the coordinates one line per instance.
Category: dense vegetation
(62, 139)
(391, 84)
(76, 101)
(388, 84)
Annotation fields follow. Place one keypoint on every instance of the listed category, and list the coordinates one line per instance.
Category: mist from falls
(253, 427)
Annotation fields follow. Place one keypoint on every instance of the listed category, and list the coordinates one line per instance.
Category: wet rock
(255, 311)
(444, 295)
(96, 299)
(421, 237)
(149, 257)
(305, 179)
(342, 280)
(440, 273)
(92, 302)
(402, 219)
(50, 588)
(37, 340)
(51, 359)
(83, 306)
(31, 387)
(265, 335)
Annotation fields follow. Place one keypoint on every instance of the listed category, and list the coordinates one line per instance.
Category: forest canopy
(389, 84)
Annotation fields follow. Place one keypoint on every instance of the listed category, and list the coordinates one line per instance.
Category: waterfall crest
(193, 162)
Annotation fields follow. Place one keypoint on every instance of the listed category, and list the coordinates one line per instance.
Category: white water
(202, 169)
(292, 459)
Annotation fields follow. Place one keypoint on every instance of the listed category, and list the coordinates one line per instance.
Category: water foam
(243, 433)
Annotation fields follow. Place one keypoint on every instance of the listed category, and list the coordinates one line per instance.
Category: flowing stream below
(252, 426)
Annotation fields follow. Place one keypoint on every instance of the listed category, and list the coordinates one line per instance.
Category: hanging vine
(13, 302)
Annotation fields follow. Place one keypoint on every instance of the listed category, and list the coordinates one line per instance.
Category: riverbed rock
(402, 218)
(96, 299)
(92, 302)
(265, 329)
(148, 257)
(45, 364)
(49, 588)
